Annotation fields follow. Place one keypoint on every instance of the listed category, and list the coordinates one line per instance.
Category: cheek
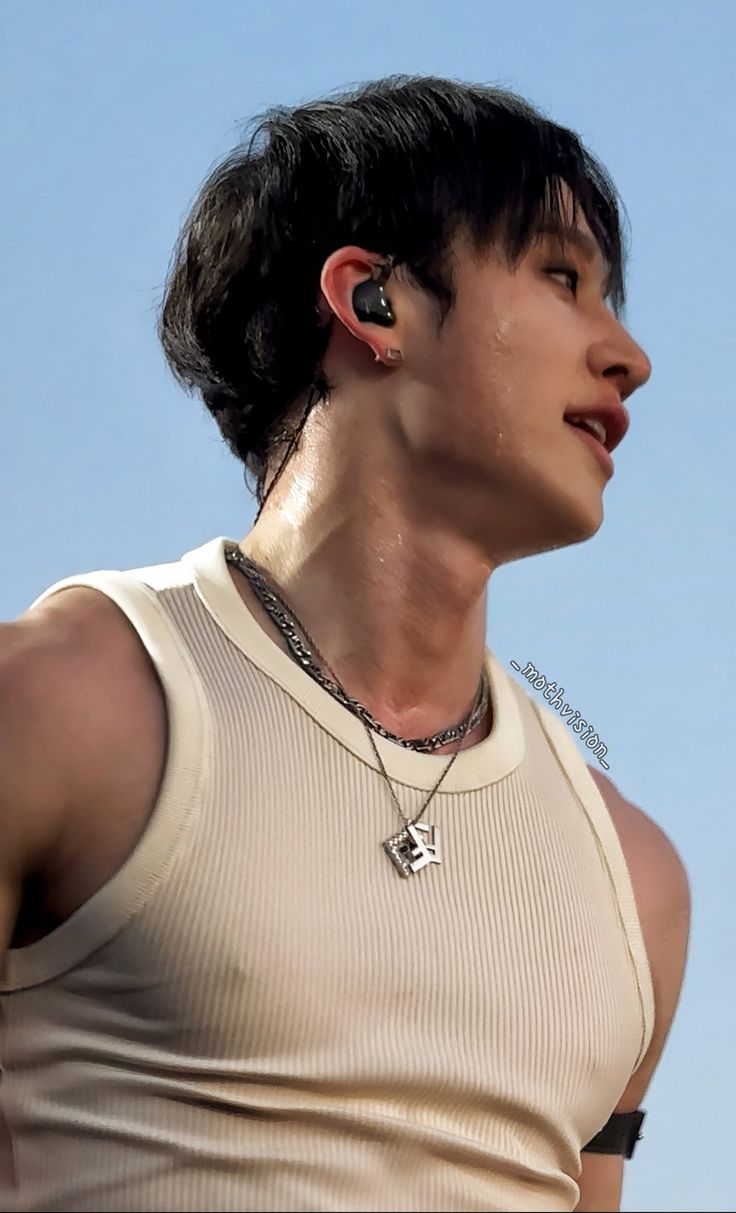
(482, 354)
(500, 373)
(506, 379)
(523, 368)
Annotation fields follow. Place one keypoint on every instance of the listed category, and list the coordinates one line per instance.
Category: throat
(408, 724)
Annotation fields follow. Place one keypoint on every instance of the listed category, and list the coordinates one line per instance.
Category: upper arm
(600, 1182)
(48, 730)
(32, 762)
(34, 766)
(76, 761)
(662, 894)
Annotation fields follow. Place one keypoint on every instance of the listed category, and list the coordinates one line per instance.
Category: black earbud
(371, 303)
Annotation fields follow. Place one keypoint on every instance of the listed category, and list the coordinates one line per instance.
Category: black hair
(398, 166)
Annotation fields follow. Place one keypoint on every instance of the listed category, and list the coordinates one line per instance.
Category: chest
(284, 939)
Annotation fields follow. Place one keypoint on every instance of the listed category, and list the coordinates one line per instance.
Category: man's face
(521, 349)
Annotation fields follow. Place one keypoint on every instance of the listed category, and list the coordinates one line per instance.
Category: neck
(395, 603)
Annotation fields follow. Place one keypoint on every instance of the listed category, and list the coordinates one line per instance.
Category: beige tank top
(258, 1012)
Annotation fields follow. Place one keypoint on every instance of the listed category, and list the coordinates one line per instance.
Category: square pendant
(414, 847)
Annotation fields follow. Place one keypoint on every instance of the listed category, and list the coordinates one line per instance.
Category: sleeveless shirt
(258, 1012)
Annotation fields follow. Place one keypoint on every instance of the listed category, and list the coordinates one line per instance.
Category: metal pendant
(414, 847)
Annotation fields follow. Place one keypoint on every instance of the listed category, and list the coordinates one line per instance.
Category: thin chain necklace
(417, 844)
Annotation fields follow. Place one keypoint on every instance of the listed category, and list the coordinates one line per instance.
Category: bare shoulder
(40, 667)
(82, 717)
(662, 893)
(80, 670)
(657, 870)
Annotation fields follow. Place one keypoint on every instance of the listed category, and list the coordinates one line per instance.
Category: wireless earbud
(371, 302)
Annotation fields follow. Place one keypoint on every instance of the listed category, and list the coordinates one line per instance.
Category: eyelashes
(570, 273)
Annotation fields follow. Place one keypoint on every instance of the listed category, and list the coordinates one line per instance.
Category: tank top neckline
(484, 763)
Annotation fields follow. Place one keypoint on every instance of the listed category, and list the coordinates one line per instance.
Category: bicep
(600, 1182)
(33, 763)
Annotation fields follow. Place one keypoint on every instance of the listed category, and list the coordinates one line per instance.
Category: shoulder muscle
(662, 893)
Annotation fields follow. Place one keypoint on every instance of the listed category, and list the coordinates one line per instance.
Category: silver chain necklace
(285, 619)
(417, 844)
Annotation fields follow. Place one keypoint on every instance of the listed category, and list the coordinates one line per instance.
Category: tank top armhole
(612, 855)
(129, 888)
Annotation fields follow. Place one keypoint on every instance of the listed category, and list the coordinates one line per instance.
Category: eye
(573, 275)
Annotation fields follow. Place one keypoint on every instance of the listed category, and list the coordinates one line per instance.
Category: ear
(343, 270)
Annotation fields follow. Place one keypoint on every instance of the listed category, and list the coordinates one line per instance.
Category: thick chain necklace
(417, 844)
(289, 625)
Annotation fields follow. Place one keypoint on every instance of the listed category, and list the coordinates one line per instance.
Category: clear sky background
(112, 113)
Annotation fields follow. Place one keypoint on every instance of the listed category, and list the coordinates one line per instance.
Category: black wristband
(619, 1134)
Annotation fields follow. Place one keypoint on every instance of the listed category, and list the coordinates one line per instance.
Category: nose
(619, 359)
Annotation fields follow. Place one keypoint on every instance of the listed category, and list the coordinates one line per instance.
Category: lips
(596, 447)
(609, 414)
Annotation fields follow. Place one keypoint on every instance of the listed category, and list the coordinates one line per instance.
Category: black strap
(619, 1134)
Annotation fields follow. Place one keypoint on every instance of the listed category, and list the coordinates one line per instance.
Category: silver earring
(392, 355)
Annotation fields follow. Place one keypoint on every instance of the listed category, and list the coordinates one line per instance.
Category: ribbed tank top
(258, 1012)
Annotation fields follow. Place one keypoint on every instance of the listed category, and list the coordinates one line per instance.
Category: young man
(310, 905)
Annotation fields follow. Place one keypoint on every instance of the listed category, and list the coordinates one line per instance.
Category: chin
(548, 534)
(517, 520)
(587, 519)
(581, 523)
(564, 523)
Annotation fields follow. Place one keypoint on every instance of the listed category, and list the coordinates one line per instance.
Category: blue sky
(111, 116)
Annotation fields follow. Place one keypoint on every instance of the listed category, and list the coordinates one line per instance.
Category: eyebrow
(567, 234)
